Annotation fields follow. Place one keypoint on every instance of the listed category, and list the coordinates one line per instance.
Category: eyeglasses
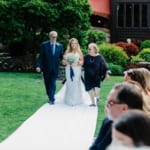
(111, 103)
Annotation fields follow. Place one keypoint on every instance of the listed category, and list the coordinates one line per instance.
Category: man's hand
(107, 76)
(38, 69)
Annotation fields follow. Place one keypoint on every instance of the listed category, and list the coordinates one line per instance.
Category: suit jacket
(104, 136)
(47, 61)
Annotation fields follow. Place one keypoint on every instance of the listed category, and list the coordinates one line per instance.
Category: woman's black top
(95, 69)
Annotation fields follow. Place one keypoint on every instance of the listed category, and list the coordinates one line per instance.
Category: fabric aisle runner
(55, 127)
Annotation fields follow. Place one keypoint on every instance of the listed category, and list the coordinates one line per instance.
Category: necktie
(53, 49)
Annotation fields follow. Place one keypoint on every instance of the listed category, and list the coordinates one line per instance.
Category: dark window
(136, 15)
(144, 16)
(128, 15)
(132, 15)
(120, 14)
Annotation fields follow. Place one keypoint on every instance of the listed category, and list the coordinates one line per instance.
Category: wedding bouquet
(71, 58)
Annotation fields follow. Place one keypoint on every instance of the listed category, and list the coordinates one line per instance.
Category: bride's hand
(64, 62)
(73, 64)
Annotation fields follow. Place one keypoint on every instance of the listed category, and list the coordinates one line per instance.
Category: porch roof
(100, 7)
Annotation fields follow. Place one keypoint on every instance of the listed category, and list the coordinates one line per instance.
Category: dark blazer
(104, 136)
(47, 61)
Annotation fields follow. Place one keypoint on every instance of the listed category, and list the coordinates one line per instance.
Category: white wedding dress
(73, 92)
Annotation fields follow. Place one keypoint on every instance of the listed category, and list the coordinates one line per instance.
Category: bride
(74, 88)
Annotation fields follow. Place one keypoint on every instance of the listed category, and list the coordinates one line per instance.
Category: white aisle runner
(55, 127)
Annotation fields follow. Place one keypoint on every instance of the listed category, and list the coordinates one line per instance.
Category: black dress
(95, 69)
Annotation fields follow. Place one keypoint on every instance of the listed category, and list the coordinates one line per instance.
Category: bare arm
(81, 60)
(63, 60)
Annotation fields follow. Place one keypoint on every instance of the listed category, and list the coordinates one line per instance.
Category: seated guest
(142, 76)
(132, 129)
(146, 74)
(122, 97)
(135, 75)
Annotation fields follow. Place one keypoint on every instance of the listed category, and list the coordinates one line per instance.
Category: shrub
(115, 69)
(136, 59)
(96, 36)
(145, 54)
(114, 54)
(137, 42)
(84, 51)
(130, 48)
(145, 44)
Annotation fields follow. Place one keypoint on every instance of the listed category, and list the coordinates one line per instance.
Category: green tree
(96, 36)
(24, 24)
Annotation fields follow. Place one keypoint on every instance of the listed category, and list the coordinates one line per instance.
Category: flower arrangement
(71, 58)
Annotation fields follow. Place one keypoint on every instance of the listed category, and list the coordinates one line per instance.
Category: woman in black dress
(95, 71)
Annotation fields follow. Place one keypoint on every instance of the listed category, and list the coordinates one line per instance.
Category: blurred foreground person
(132, 129)
(122, 97)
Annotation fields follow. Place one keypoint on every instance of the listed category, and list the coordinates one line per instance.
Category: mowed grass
(22, 94)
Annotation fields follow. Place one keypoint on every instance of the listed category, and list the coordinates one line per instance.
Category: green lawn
(21, 94)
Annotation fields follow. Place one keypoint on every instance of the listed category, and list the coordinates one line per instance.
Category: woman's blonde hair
(146, 74)
(142, 75)
(69, 48)
(94, 46)
(138, 76)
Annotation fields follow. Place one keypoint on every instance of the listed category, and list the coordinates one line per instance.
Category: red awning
(100, 7)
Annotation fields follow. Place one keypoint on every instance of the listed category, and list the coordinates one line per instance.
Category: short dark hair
(136, 125)
(129, 94)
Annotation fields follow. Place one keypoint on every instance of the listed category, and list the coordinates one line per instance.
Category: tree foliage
(27, 22)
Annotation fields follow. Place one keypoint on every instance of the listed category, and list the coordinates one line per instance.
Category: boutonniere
(57, 44)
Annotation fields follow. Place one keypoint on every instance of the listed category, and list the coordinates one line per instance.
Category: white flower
(71, 58)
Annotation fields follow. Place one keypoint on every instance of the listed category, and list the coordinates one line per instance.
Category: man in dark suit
(50, 55)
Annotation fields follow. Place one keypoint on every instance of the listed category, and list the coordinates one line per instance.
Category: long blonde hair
(69, 48)
(141, 75)
(146, 74)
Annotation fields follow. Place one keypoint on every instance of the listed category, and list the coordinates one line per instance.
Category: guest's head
(132, 129)
(93, 49)
(73, 45)
(53, 36)
(146, 74)
(122, 97)
(141, 75)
